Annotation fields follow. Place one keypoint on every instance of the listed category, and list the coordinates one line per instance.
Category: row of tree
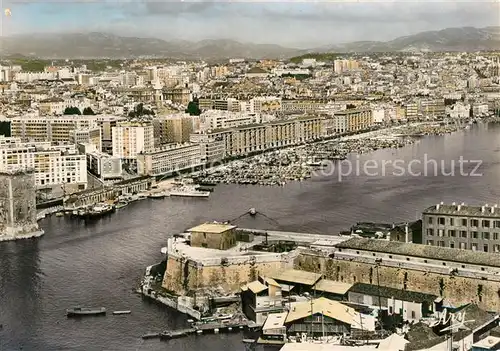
(76, 111)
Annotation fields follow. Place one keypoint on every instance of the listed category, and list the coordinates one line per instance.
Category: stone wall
(184, 276)
(458, 290)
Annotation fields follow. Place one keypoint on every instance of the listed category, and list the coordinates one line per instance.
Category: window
(441, 243)
(496, 248)
(451, 233)
(486, 223)
(452, 221)
(430, 232)
(430, 220)
(463, 234)
(463, 246)
(441, 221)
(474, 223)
(495, 236)
(452, 245)
(440, 232)
(473, 247)
(485, 247)
(474, 235)
(464, 222)
(486, 236)
(496, 224)
(413, 316)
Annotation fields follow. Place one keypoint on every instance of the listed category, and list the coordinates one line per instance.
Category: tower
(18, 205)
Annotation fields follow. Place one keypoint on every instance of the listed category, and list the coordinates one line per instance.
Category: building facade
(90, 136)
(169, 159)
(464, 227)
(53, 165)
(352, 120)
(132, 138)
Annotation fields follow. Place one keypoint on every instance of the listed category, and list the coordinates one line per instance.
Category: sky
(306, 23)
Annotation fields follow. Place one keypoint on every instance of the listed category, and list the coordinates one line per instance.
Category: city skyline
(293, 24)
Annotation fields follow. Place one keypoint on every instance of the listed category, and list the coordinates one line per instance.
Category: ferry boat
(189, 191)
(158, 195)
(82, 311)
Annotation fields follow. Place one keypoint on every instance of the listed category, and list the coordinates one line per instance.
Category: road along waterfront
(100, 263)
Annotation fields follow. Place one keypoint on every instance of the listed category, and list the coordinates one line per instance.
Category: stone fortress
(18, 205)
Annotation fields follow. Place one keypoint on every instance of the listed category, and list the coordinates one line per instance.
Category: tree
(140, 111)
(72, 111)
(193, 109)
(88, 111)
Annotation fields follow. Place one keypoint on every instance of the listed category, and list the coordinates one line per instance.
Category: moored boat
(83, 311)
(121, 204)
(186, 191)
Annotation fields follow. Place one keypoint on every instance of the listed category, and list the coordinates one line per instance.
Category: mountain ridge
(106, 45)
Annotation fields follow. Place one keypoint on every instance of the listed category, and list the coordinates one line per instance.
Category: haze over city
(302, 24)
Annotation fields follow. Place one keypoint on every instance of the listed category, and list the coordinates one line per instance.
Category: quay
(209, 328)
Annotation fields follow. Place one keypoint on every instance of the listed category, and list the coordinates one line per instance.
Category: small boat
(151, 335)
(82, 311)
(122, 312)
(59, 214)
(121, 204)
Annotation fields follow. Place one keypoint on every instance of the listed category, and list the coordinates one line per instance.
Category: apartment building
(169, 159)
(213, 119)
(106, 123)
(432, 108)
(340, 66)
(253, 138)
(50, 128)
(288, 106)
(464, 227)
(104, 166)
(411, 111)
(229, 104)
(352, 120)
(173, 128)
(87, 136)
(212, 150)
(132, 138)
(53, 165)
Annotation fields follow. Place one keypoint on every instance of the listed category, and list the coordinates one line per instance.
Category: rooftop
(333, 287)
(464, 210)
(298, 277)
(274, 320)
(402, 295)
(256, 287)
(212, 228)
(424, 251)
(329, 308)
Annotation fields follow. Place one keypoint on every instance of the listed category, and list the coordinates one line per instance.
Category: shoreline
(31, 235)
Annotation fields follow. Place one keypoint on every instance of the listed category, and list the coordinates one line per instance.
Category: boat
(59, 214)
(83, 311)
(189, 191)
(158, 195)
(122, 312)
(100, 210)
(121, 204)
(142, 196)
(150, 336)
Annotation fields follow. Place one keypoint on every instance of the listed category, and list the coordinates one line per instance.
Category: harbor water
(99, 263)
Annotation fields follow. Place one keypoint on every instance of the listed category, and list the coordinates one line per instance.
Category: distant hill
(102, 45)
(450, 39)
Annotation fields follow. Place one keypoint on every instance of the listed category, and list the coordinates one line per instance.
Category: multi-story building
(106, 123)
(53, 165)
(132, 138)
(411, 111)
(179, 95)
(104, 166)
(301, 105)
(173, 128)
(432, 108)
(169, 159)
(212, 119)
(259, 137)
(86, 136)
(352, 120)
(474, 228)
(49, 128)
(229, 104)
(340, 66)
(212, 150)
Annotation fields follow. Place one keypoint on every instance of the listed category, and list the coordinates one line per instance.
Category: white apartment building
(87, 136)
(213, 119)
(131, 138)
(169, 159)
(54, 165)
(104, 166)
(49, 128)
